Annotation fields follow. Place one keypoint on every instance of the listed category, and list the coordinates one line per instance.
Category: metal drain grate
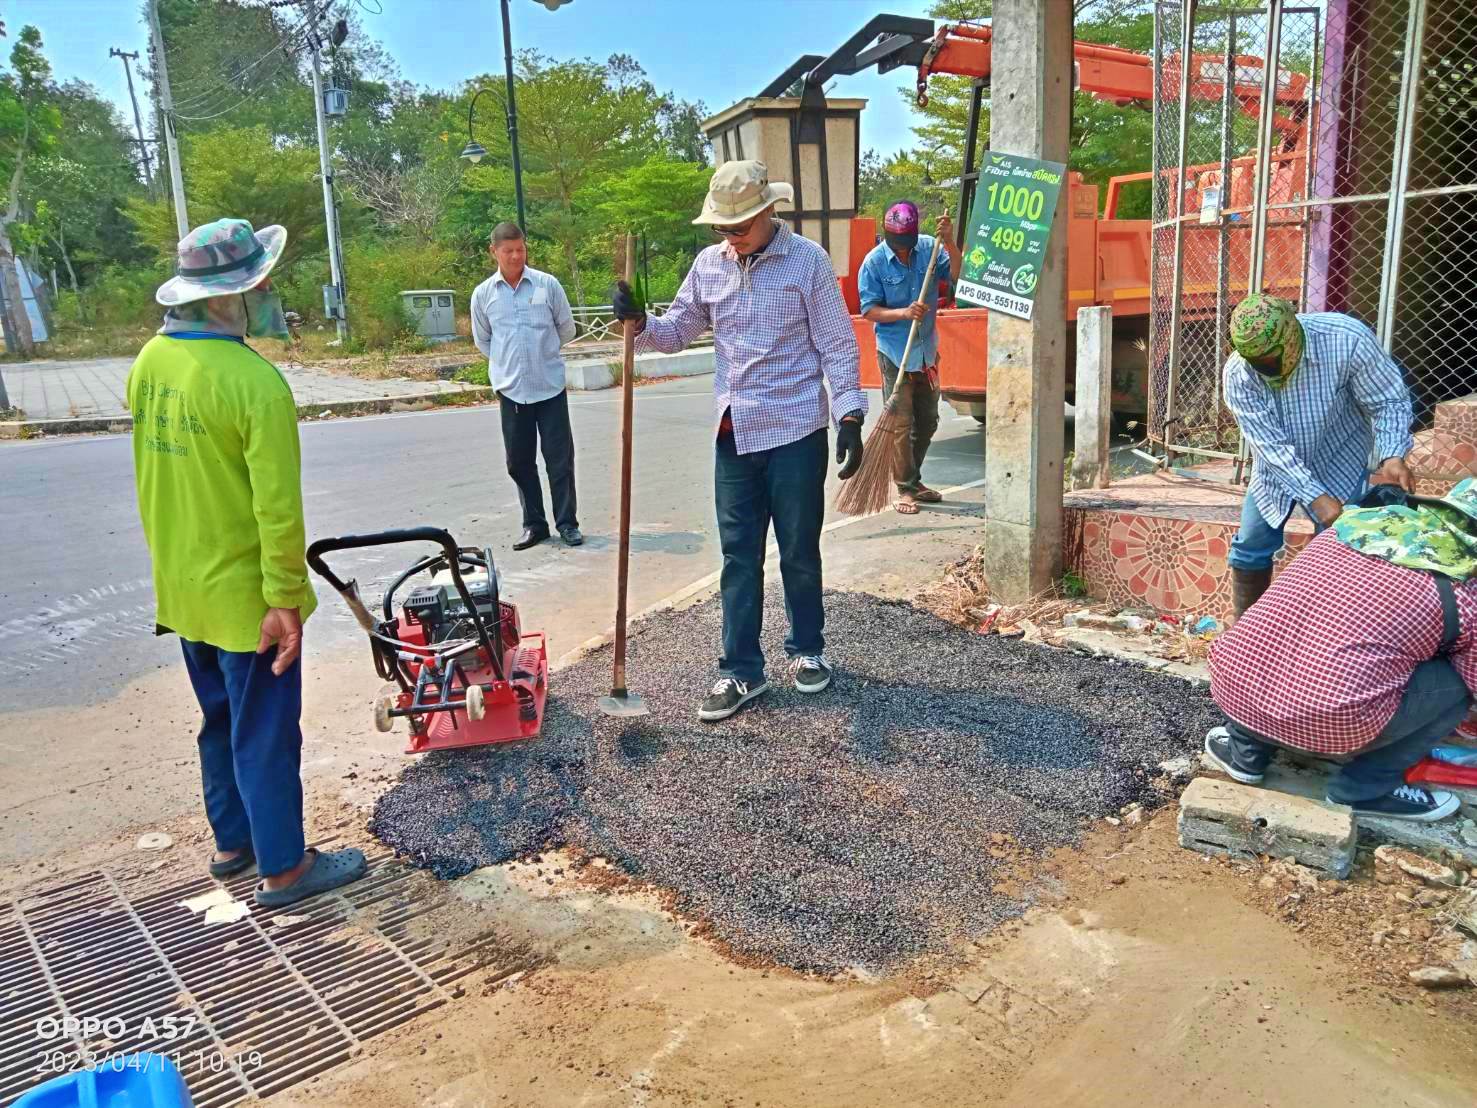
(254, 1006)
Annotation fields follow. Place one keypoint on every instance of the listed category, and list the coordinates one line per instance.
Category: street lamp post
(474, 151)
(513, 115)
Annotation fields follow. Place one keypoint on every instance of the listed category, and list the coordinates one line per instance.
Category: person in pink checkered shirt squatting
(1363, 651)
(782, 341)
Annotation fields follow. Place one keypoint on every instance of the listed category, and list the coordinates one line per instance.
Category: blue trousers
(1435, 701)
(250, 752)
(785, 485)
(1257, 541)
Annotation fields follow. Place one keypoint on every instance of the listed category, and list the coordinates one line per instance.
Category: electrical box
(434, 312)
(333, 303)
(335, 102)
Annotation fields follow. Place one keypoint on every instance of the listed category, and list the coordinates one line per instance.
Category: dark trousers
(525, 427)
(1435, 701)
(250, 752)
(785, 485)
(922, 414)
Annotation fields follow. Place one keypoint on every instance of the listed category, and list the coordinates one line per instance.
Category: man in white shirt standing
(520, 319)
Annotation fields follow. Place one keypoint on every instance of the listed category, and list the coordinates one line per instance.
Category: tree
(658, 198)
(682, 131)
(29, 121)
(243, 174)
(906, 175)
(578, 122)
(74, 194)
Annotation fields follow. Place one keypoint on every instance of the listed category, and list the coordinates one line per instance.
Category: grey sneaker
(812, 673)
(728, 696)
(1218, 754)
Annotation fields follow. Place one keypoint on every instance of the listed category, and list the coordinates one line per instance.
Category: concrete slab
(1224, 817)
(1132, 648)
(1310, 779)
(587, 374)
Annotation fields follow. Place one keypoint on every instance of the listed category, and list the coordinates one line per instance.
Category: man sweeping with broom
(781, 338)
(898, 284)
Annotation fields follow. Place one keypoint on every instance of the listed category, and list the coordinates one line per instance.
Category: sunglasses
(738, 231)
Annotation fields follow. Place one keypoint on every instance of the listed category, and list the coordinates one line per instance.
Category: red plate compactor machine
(464, 672)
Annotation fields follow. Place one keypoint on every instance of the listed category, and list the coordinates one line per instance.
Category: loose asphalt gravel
(858, 828)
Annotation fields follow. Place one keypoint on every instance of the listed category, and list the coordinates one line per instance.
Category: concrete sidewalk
(88, 395)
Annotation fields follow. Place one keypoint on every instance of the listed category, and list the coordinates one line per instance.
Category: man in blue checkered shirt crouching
(1317, 399)
(782, 338)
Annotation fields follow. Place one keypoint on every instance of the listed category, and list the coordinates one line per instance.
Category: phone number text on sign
(990, 298)
(1005, 246)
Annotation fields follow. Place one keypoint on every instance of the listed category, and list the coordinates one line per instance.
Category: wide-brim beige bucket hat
(739, 191)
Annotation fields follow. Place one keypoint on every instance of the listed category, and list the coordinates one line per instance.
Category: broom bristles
(869, 490)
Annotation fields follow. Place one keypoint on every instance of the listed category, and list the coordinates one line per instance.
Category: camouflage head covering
(1435, 534)
(1265, 326)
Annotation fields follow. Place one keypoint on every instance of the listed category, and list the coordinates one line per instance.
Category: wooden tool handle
(628, 373)
(922, 295)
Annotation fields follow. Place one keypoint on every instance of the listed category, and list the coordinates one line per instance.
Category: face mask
(264, 315)
(899, 241)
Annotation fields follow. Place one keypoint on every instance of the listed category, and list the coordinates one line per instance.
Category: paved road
(75, 595)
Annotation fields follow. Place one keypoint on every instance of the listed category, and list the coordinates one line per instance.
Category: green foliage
(903, 176)
(379, 272)
(243, 174)
(473, 374)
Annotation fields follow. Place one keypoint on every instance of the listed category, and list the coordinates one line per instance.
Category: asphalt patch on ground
(857, 828)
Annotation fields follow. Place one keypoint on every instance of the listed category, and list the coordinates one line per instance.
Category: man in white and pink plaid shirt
(782, 339)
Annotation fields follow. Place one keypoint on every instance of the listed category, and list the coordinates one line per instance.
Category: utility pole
(333, 302)
(166, 117)
(1030, 116)
(138, 123)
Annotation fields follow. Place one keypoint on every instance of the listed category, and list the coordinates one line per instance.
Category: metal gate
(1342, 176)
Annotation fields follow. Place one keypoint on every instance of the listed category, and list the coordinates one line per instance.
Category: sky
(683, 45)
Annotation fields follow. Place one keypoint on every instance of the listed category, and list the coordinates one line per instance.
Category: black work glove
(849, 445)
(627, 303)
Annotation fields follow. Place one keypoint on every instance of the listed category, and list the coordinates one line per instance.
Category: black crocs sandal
(232, 866)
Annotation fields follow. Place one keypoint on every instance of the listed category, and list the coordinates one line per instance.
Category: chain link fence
(1355, 193)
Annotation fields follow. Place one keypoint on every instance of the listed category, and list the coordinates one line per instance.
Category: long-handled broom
(885, 454)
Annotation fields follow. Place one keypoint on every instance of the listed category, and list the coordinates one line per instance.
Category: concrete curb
(593, 374)
(378, 405)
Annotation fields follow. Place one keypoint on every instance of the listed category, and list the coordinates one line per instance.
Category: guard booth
(813, 144)
(433, 311)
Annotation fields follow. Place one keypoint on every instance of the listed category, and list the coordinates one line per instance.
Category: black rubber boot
(1247, 586)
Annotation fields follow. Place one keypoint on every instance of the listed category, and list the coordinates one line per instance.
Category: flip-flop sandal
(230, 867)
(329, 871)
(928, 496)
(906, 508)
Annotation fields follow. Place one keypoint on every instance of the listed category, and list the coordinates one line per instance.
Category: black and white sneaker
(812, 673)
(728, 696)
(1218, 753)
(1409, 802)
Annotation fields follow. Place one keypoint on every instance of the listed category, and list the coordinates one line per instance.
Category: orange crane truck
(1108, 258)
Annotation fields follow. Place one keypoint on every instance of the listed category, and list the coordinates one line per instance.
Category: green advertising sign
(1005, 243)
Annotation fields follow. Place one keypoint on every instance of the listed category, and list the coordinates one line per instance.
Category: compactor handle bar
(389, 538)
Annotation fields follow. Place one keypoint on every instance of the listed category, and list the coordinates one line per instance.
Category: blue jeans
(1435, 701)
(250, 752)
(1257, 542)
(785, 485)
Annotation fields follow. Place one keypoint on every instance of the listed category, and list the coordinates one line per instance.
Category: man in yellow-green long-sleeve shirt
(217, 465)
